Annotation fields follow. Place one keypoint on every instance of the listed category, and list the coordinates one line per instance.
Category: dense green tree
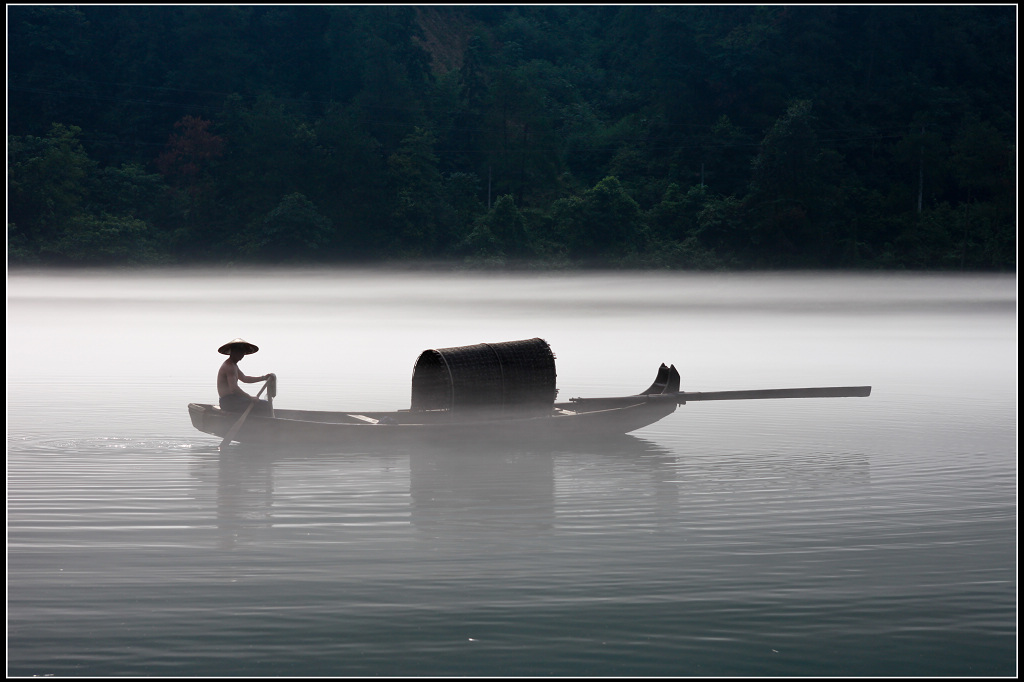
(59, 205)
(348, 178)
(790, 203)
(131, 192)
(294, 231)
(500, 233)
(721, 227)
(674, 218)
(462, 205)
(104, 240)
(417, 228)
(667, 136)
(46, 48)
(601, 223)
(48, 181)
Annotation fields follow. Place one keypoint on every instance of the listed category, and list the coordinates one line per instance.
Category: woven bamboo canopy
(513, 376)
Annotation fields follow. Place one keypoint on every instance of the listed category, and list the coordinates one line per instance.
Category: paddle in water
(233, 431)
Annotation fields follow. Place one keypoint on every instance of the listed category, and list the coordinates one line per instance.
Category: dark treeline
(659, 136)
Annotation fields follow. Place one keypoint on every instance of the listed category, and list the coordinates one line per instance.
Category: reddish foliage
(189, 150)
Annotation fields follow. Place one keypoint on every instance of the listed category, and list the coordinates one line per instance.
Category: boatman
(232, 397)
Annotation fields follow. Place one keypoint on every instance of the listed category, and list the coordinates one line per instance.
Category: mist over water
(866, 536)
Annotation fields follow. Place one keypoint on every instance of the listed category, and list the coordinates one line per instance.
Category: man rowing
(232, 397)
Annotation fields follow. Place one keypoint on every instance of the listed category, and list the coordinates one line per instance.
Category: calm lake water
(851, 536)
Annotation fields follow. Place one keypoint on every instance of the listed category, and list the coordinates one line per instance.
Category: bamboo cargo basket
(513, 376)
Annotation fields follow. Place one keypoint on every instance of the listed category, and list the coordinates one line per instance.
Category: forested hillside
(625, 136)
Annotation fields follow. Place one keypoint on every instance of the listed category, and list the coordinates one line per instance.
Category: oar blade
(233, 431)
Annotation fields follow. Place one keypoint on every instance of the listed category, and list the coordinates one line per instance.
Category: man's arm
(251, 380)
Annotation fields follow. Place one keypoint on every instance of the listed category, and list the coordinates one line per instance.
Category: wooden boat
(457, 397)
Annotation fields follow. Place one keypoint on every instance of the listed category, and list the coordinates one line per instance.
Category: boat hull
(346, 429)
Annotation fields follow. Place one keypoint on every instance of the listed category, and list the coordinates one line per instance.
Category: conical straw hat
(249, 348)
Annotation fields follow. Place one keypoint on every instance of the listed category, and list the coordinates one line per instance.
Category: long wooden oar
(233, 431)
(819, 392)
(683, 397)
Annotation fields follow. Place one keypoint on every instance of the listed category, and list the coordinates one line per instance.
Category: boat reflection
(463, 489)
(454, 490)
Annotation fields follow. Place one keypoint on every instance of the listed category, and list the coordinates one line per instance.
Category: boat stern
(197, 412)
